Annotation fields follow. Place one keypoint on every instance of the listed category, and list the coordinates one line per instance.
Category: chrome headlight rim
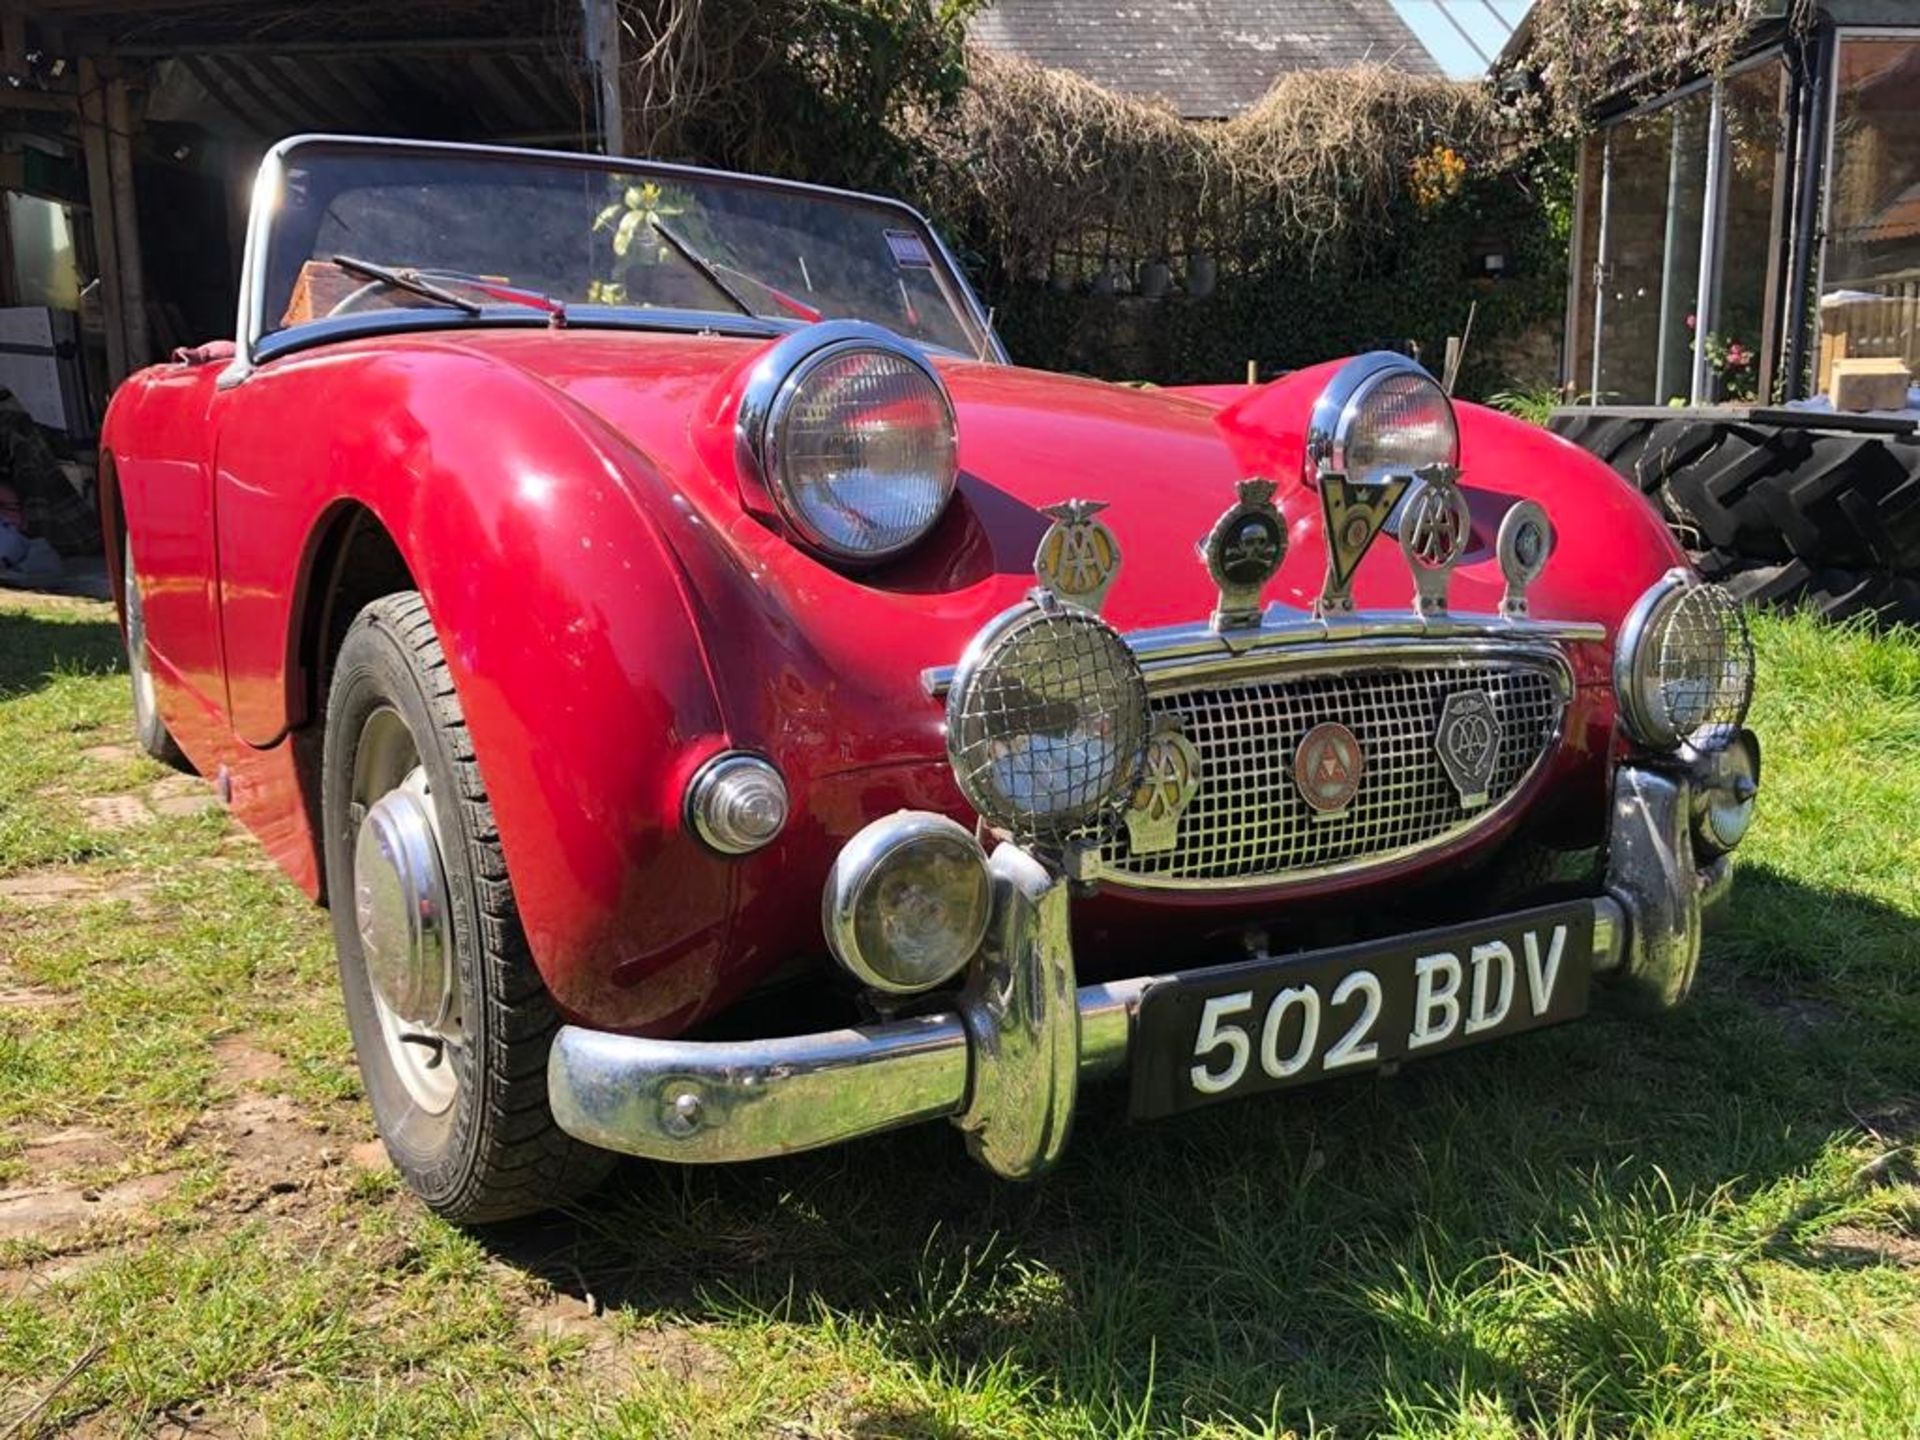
(863, 860)
(1634, 657)
(991, 640)
(1341, 403)
(771, 389)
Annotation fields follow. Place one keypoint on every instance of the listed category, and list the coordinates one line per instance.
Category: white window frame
(1841, 35)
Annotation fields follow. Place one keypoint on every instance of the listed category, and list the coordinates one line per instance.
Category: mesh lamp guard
(1047, 723)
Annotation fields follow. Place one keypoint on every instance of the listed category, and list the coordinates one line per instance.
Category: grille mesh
(1248, 822)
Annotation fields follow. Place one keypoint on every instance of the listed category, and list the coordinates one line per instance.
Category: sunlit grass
(1619, 1228)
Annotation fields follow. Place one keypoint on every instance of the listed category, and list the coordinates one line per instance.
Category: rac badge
(1078, 556)
(1526, 540)
(1354, 515)
(1327, 768)
(1167, 786)
(1243, 551)
(1468, 740)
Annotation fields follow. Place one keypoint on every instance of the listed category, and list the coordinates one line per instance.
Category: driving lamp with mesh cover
(907, 902)
(1684, 667)
(850, 429)
(1381, 416)
(1047, 721)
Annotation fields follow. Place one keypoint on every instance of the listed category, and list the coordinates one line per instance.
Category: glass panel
(1870, 299)
(45, 271)
(1593, 160)
(1651, 265)
(1741, 353)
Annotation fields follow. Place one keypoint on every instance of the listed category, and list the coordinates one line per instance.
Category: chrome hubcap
(143, 698)
(400, 906)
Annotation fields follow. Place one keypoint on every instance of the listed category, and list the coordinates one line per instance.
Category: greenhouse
(1738, 237)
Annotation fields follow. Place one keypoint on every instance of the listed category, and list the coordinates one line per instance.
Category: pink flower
(1737, 356)
(1692, 321)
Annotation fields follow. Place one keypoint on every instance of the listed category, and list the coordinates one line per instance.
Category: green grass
(1703, 1226)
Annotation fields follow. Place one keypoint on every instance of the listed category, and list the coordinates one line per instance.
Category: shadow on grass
(1318, 1255)
(37, 647)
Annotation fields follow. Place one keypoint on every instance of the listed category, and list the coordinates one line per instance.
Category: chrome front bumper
(1007, 1064)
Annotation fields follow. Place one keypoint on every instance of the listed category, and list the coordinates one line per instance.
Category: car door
(162, 454)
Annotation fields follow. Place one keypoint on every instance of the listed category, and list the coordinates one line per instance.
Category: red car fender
(545, 577)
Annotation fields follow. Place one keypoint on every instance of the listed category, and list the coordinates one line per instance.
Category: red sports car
(730, 709)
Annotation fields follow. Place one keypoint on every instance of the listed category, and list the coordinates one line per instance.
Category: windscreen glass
(486, 227)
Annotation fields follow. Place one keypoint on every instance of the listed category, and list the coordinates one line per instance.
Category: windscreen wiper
(407, 280)
(712, 270)
(701, 264)
(426, 283)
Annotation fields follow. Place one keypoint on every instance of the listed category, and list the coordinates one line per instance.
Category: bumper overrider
(1006, 1064)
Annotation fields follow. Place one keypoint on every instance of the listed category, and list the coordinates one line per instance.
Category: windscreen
(587, 233)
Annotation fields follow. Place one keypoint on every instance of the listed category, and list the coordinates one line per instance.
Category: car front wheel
(148, 728)
(450, 1021)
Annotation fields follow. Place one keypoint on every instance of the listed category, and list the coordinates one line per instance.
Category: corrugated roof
(1208, 58)
(455, 92)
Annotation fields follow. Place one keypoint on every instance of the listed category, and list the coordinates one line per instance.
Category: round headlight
(852, 431)
(1684, 667)
(907, 902)
(1047, 721)
(1380, 416)
(737, 803)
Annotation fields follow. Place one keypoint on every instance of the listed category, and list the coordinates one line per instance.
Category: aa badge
(1243, 551)
(1354, 515)
(1078, 556)
(1434, 530)
(1468, 739)
(1167, 786)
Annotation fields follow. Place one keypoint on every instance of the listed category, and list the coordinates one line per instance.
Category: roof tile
(1208, 58)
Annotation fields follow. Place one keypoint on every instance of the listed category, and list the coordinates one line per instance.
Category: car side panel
(158, 433)
(155, 471)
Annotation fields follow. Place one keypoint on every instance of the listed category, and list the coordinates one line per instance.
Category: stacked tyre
(1786, 517)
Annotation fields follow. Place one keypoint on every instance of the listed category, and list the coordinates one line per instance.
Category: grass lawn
(1706, 1226)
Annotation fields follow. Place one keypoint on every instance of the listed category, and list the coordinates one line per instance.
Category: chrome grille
(1248, 824)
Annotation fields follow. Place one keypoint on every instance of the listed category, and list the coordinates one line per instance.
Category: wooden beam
(106, 250)
(13, 40)
(126, 222)
(536, 47)
(11, 99)
(602, 35)
(81, 9)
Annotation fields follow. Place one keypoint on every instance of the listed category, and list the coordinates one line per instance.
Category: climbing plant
(1579, 52)
(815, 89)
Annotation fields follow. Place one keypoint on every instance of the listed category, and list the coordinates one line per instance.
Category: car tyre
(460, 1101)
(149, 730)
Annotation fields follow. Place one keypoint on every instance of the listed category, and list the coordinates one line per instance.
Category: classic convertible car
(730, 709)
